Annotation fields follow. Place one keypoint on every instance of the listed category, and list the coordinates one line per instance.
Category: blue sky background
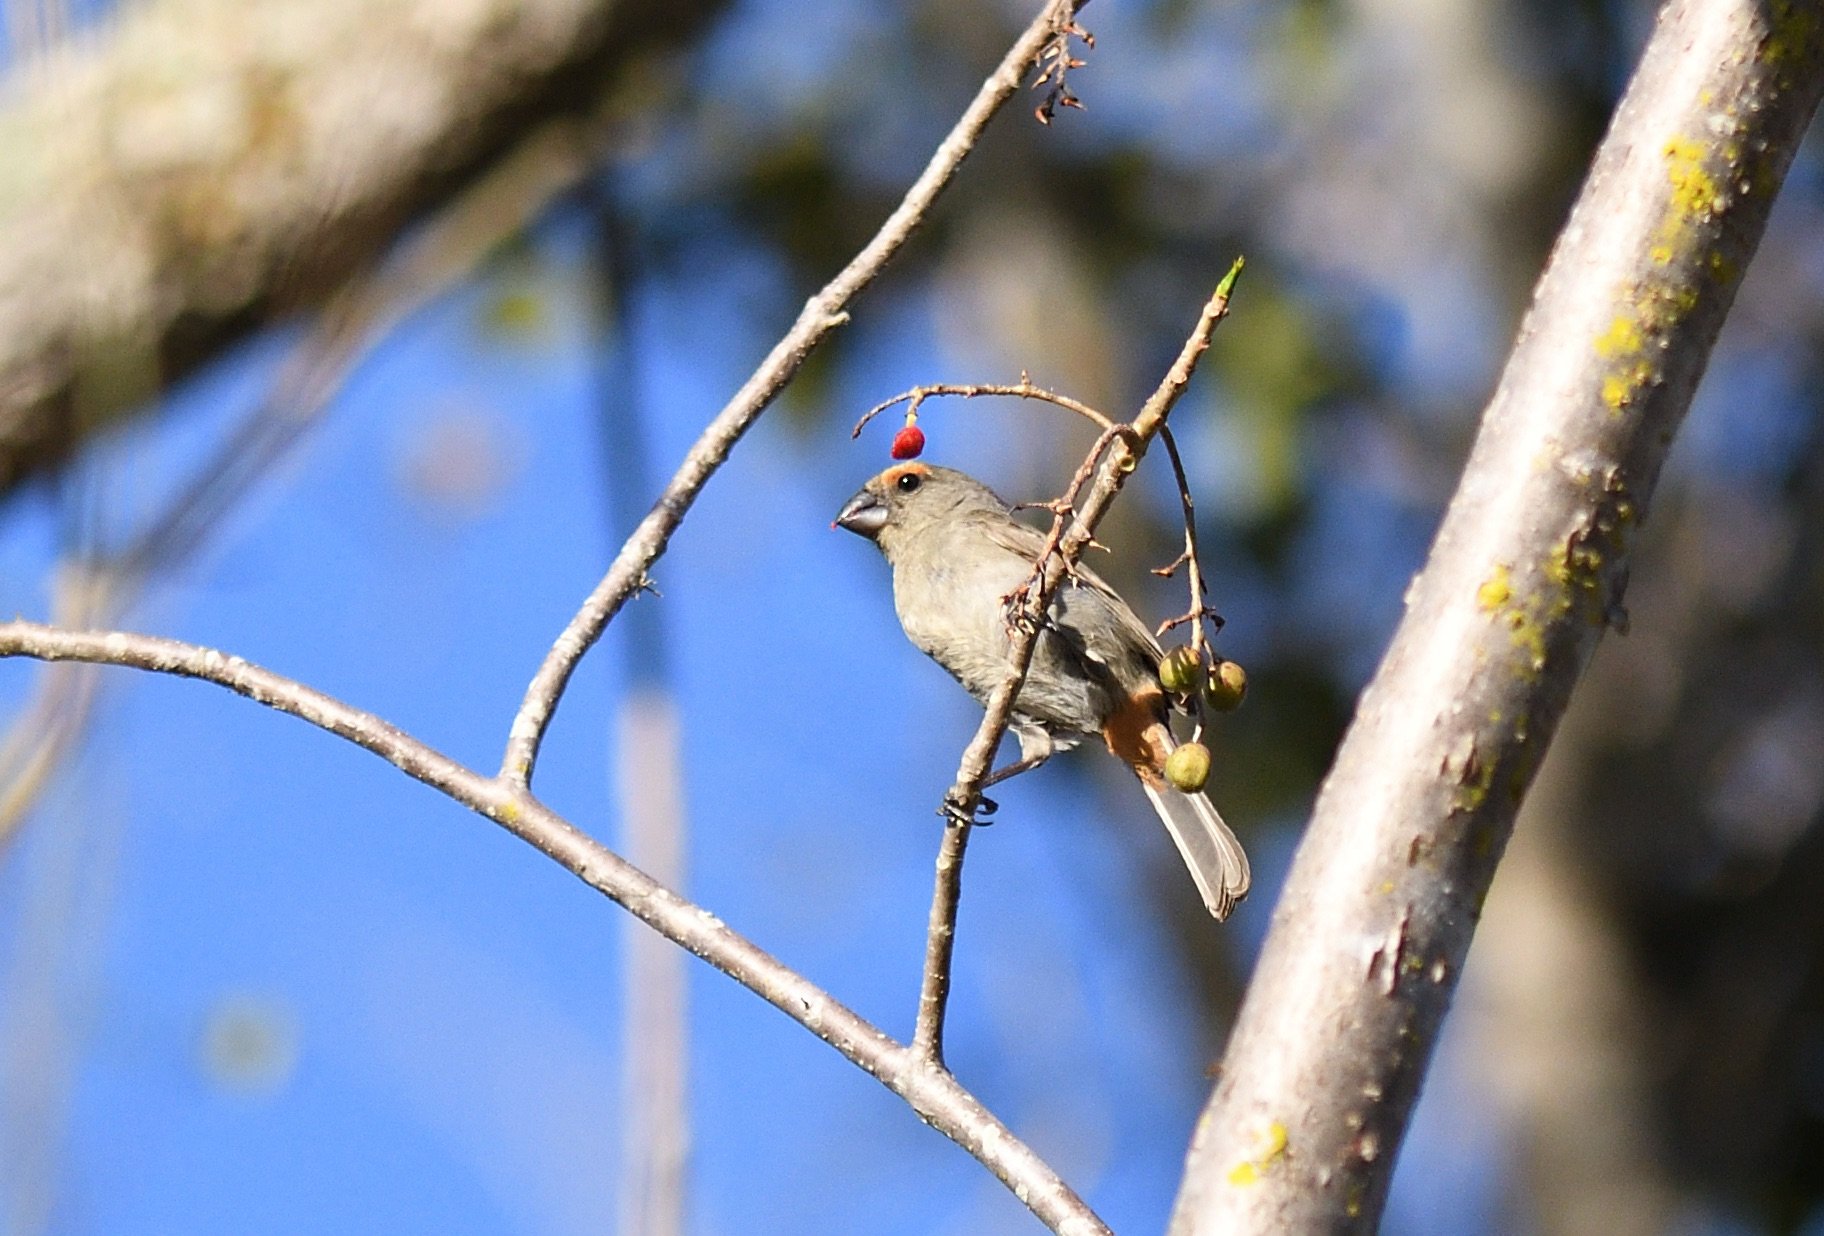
(257, 981)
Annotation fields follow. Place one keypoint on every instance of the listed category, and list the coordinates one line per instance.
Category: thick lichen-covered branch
(1526, 574)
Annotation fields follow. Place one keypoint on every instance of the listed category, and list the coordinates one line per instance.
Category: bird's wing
(1012, 535)
(1029, 543)
(1088, 613)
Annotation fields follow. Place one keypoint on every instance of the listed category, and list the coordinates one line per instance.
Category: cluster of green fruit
(1218, 686)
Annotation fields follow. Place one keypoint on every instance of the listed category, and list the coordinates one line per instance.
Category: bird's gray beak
(864, 515)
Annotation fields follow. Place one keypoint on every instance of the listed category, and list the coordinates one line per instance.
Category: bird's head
(909, 499)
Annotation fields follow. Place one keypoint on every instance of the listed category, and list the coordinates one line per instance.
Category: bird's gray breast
(950, 601)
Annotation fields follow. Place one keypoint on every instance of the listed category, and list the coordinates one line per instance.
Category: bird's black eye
(907, 482)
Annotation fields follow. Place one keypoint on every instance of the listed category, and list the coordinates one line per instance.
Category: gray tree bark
(1375, 922)
(202, 166)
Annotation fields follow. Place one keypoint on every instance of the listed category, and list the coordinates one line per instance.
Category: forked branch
(934, 1094)
(823, 313)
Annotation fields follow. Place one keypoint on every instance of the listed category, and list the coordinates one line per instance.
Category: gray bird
(956, 551)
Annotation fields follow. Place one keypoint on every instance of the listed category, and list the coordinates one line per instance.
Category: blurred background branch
(648, 773)
(103, 583)
(210, 167)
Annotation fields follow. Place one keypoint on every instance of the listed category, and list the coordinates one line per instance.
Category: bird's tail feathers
(1212, 852)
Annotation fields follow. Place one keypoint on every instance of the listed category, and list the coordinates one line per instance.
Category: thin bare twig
(823, 313)
(1023, 389)
(1111, 460)
(653, 1187)
(1188, 559)
(1025, 606)
(1055, 64)
(931, 1092)
(1025, 609)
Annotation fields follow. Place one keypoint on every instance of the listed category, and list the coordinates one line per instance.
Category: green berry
(1188, 768)
(1226, 688)
(1181, 670)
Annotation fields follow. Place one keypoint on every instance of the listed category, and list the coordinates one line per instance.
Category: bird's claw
(954, 812)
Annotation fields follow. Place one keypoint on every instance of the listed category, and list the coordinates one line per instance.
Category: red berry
(908, 443)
